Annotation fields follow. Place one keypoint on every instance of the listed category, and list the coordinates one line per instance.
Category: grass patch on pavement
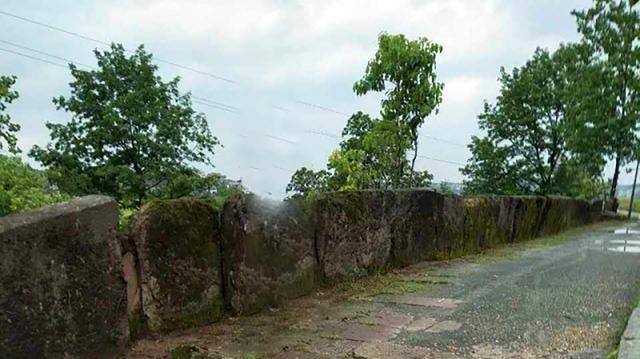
(380, 283)
(514, 250)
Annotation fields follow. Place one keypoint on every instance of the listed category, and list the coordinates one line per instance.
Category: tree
(526, 149)
(7, 128)
(405, 71)
(191, 182)
(23, 187)
(490, 171)
(373, 152)
(305, 181)
(611, 28)
(130, 134)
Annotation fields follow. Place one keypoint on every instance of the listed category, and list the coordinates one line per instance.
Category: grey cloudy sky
(282, 56)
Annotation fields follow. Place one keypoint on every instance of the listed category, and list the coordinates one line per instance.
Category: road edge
(629, 347)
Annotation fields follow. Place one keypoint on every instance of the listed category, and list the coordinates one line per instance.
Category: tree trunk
(413, 160)
(614, 181)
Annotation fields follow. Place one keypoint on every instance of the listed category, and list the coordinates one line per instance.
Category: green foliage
(526, 149)
(131, 135)
(305, 181)
(373, 152)
(405, 71)
(22, 187)
(611, 29)
(7, 128)
(445, 188)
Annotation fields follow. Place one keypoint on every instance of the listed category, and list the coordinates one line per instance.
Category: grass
(515, 250)
(379, 283)
(624, 204)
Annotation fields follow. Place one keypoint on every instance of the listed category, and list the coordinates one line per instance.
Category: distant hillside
(624, 190)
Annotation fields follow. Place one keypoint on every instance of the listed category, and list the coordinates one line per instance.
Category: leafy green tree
(190, 182)
(405, 71)
(526, 150)
(7, 128)
(489, 171)
(611, 28)
(306, 181)
(22, 187)
(130, 135)
(373, 152)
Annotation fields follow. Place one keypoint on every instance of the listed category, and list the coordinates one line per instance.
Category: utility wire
(220, 108)
(440, 160)
(44, 53)
(204, 101)
(33, 57)
(326, 109)
(102, 42)
(196, 99)
(214, 103)
(169, 62)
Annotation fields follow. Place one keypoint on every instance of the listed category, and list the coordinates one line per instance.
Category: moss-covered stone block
(268, 252)
(480, 222)
(61, 289)
(177, 244)
(528, 217)
(353, 232)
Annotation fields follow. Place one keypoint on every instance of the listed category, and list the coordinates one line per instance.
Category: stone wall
(361, 232)
(67, 282)
(61, 291)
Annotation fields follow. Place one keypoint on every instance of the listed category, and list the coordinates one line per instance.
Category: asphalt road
(564, 301)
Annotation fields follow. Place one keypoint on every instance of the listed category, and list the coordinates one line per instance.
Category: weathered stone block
(177, 246)
(557, 215)
(480, 221)
(415, 224)
(268, 252)
(353, 233)
(595, 210)
(61, 289)
(528, 217)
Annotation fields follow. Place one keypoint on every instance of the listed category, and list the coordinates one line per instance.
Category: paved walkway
(568, 300)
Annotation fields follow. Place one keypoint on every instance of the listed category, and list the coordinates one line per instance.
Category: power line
(445, 141)
(169, 62)
(199, 102)
(214, 102)
(196, 99)
(44, 53)
(33, 57)
(102, 42)
(210, 103)
(443, 161)
(220, 108)
(326, 109)
(161, 60)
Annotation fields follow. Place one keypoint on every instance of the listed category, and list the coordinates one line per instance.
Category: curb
(630, 343)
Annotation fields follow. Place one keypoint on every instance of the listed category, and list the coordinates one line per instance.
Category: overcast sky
(283, 57)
